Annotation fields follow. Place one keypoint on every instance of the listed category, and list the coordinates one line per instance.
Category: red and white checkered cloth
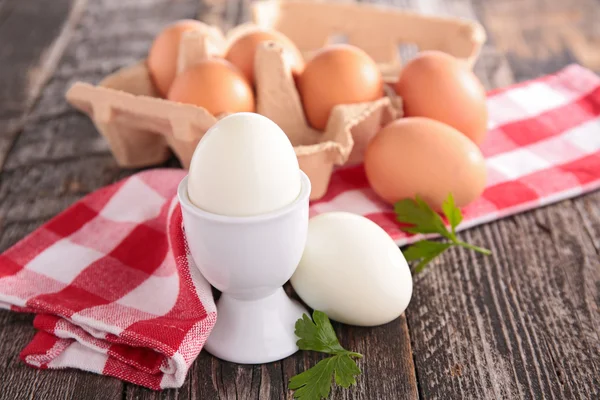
(113, 286)
(116, 292)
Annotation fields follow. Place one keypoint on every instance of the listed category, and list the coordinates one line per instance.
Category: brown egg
(420, 156)
(241, 52)
(337, 74)
(437, 85)
(162, 58)
(215, 85)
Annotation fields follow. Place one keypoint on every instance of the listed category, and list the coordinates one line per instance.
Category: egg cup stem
(255, 331)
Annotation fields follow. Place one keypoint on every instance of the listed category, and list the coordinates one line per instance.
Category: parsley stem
(353, 354)
(473, 247)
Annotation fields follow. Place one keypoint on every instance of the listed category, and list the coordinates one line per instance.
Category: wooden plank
(388, 370)
(33, 36)
(540, 36)
(520, 324)
(29, 56)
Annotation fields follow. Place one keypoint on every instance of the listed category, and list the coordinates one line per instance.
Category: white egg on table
(244, 165)
(353, 271)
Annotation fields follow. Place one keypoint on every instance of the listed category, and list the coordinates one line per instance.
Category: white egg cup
(249, 259)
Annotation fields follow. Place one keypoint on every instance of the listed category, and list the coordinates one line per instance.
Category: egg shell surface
(244, 165)
(215, 85)
(164, 51)
(242, 51)
(420, 156)
(437, 85)
(353, 271)
(337, 74)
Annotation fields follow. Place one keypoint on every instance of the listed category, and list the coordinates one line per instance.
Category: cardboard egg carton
(142, 129)
(379, 30)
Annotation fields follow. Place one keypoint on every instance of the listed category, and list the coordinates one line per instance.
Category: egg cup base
(255, 331)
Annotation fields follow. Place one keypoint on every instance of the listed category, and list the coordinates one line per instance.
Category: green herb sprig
(422, 219)
(315, 383)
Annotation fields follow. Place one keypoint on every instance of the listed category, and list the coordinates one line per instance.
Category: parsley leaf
(425, 251)
(317, 336)
(452, 213)
(422, 219)
(315, 383)
(346, 370)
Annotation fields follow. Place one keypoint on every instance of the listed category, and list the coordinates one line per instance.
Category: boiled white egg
(353, 271)
(244, 165)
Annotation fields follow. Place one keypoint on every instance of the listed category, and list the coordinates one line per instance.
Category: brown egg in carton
(141, 128)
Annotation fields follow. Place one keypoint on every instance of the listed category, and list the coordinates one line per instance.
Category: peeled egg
(244, 165)
(215, 85)
(352, 271)
(242, 50)
(439, 86)
(162, 58)
(337, 74)
(420, 156)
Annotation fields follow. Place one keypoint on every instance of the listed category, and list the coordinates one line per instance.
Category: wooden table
(524, 323)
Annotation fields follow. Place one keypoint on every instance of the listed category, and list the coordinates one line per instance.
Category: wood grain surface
(524, 323)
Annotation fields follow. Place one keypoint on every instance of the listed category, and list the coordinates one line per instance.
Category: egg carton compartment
(388, 34)
(142, 129)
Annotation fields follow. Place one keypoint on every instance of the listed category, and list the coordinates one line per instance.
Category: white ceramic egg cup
(249, 259)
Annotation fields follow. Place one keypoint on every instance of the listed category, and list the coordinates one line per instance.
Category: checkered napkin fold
(115, 291)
